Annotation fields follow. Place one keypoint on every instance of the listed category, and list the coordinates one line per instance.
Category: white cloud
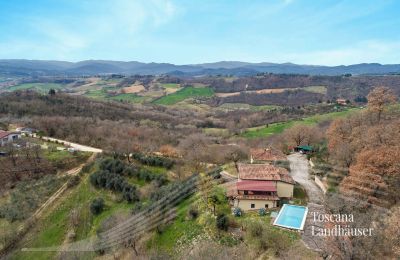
(106, 27)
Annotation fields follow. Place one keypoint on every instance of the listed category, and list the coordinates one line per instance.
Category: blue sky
(187, 31)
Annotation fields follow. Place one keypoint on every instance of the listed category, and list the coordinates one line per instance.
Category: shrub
(237, 212)
(262, 212)
(73, 181)
(193, 213)
(153, 160)
(222, 222)
(97, 206)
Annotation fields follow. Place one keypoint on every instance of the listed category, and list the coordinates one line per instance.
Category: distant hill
(18, 67)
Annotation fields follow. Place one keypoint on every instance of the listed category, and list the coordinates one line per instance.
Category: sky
(324, 32)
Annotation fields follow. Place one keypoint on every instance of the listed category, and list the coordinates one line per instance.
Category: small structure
(266, 155)
(8, 137)
(341, 101)
(26, 130)
(306, 149)
(260, 186)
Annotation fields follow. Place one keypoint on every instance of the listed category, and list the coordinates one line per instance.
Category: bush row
(153, 160)
(114, 182)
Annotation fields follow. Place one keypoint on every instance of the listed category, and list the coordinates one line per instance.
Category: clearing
(185, 93)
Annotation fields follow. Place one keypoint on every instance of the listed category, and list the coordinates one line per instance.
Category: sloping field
(132, 89)
(185, 93)
(276, 128)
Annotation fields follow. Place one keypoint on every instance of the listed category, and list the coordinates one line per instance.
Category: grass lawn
(185, 93)
(64, 159)
(276, 128)
(300, 195)
(40, 87)
(254, 216)
(180, 228)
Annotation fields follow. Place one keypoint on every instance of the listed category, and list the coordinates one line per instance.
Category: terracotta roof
(4, 133)
(256, 185)
(264, 172)
(257, 197)
(267, 154)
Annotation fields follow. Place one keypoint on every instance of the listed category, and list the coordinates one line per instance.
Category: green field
(102, 94)
(185, 93)
(316, 89)
(171, 85)
(132, 98)
(277, 128)
(40, 87)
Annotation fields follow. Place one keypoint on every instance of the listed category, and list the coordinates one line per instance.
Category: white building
(8, 137)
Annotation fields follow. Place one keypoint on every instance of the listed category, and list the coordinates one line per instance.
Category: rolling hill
(18, 67)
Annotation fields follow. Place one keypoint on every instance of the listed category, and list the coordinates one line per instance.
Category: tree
(52, 92)
(97, 206)
(222, 222)
(375, 176)
(378, 99)
(237, 154)
(300, 135)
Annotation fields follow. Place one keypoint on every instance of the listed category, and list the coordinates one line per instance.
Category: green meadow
(276, 128)
(185, 93)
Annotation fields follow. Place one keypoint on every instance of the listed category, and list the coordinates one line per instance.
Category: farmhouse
(266, 155)
(341, 101)
(8, 137)
(260, 186)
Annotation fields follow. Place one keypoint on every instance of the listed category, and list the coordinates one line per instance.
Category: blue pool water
(291, 216)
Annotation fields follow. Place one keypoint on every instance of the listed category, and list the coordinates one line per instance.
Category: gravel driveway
(299, 172)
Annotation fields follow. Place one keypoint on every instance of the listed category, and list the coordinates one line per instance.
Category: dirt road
(76, 146)
(299, 171)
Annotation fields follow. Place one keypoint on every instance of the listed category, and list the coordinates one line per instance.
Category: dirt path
(299, 171)
(76, 146)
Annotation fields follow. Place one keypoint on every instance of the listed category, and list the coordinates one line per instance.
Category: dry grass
(227, 94)
(133, 89)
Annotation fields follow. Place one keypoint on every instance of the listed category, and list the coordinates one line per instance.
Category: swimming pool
(291, 216)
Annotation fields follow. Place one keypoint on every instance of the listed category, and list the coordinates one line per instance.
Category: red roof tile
(256, 185)
(4, 133)
(264, 172)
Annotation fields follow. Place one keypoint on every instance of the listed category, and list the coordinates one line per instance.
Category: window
(252, 206)
(266, 206)
(246, 192)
